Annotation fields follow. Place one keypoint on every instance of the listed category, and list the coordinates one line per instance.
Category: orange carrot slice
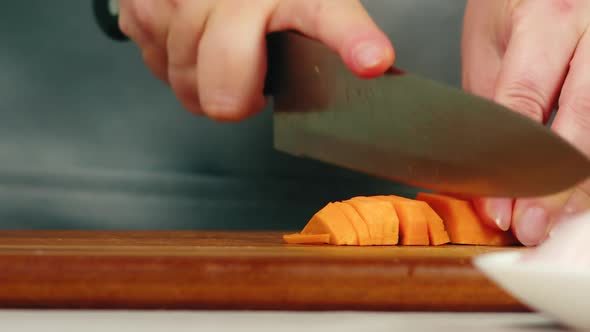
(330, 220)
(436, 228)
(298, 238)
(413, 226)
(374, 228)
(380, 217)
(357, 222)
(462, 222)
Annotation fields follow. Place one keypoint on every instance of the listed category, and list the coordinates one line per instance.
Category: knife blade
(410, 129)
(401, 126)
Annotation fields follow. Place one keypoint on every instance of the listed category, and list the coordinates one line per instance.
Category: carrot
(374, 227)
(462, 222)
(436, 228)
(298, 238)
(380, 217)
(357, 222)
(413, 226)
(330, 220)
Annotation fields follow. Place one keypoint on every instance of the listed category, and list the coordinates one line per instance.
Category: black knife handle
(106, 14)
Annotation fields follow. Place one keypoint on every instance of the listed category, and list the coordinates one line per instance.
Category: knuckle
(525, 96)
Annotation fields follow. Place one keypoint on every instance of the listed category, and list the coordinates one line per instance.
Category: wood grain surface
(236, 270)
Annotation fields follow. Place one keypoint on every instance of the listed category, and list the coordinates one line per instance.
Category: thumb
(342, 25)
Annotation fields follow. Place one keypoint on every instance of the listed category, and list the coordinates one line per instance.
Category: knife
(403, 127)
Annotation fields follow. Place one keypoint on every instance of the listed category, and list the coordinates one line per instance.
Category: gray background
(88, 139)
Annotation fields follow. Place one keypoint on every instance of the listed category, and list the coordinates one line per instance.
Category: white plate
(560, 292)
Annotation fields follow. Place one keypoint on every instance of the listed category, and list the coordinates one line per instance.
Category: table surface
(221, 321)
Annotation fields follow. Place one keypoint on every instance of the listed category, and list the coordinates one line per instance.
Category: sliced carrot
(357, 223)
(462, 222)
(298, 238)
(436, 228)
(330, 220)
(413, 226)
(374, 228)
(381, 219)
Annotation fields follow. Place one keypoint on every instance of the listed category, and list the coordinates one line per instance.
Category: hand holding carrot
(530, 55)
(212, 52)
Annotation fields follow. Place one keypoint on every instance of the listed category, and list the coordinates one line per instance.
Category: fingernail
(502, 219)
(533, 226)
(501, 223)
(500, 211)
(369, 54)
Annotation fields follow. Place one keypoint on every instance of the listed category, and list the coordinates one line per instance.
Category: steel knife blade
(410, 129)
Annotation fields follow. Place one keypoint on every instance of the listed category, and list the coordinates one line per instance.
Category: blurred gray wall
(88, 139)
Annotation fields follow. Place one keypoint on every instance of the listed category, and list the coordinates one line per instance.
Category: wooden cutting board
(236, 270)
